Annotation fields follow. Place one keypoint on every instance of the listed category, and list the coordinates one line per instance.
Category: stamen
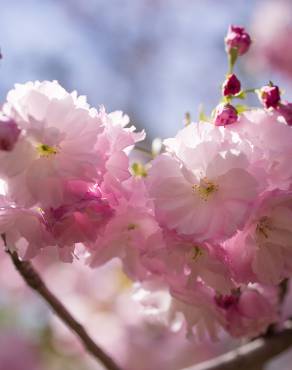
(205, 188)
(196, 253)
(139, 170)
(45, 150)
(131, 227)
(263, 227)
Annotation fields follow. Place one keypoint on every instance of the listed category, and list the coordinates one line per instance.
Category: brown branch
(252, 355)
(32, 278)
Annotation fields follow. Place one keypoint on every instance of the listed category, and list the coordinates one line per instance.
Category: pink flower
(231, 85)
(181, 259)
(270, 96)
(202, 317)
(237, 38)
(261, 252)
(225, 114)
(115, 143)
(249, 313)
(24, 229)
(192, 309)
(126, 235)
(78, 222)
(60, 133)
(205, 193)
(9, 133)
(265, 139)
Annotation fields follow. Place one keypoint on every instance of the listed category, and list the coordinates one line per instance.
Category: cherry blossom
(202, 225)
(198, 192)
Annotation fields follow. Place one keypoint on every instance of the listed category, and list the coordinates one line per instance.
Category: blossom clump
(57, 153)
(204, 228)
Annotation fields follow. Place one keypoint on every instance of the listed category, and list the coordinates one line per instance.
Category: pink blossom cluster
(204, 228)
(57, 156)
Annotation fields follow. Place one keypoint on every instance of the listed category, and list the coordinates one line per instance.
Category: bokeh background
(155, 60)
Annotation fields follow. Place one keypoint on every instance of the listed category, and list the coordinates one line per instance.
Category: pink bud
(231, 85)
(285, 110)
(9, 133)
(270, 96)
(237, 38)
(225, 114)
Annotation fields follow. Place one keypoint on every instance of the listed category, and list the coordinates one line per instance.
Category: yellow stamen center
(45, 150)
(205, 188)
(139, 170)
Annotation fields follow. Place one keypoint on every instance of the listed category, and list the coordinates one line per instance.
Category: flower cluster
(204, 228)
(56, 155)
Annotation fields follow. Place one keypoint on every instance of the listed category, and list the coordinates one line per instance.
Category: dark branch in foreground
(252, 355)
(32, 278)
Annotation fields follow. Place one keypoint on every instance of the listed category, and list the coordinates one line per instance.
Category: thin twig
(252, 355)
(32, 278)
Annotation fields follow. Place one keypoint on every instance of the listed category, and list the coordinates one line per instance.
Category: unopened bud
(231, 85)
(225, 114)
(270, 96)
(237, 38)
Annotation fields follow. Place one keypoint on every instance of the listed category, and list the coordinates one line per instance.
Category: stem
(252, 355)
(232, 57)
(32, 278)
(250, 90)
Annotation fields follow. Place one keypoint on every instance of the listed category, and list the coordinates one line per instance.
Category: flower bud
(225, 114)
(270, 96)
(9, 133)
(237, 38)
(231, 85)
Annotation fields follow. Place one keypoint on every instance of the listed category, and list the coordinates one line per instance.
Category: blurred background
(155, 60)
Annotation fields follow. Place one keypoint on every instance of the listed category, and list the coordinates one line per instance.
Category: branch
(32, 278)
(251, 355)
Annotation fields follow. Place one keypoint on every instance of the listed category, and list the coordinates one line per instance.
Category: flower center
(131, 226)
(263, 227)
(139, 170)
(196, 253)
(205, 188)
(45, 150)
